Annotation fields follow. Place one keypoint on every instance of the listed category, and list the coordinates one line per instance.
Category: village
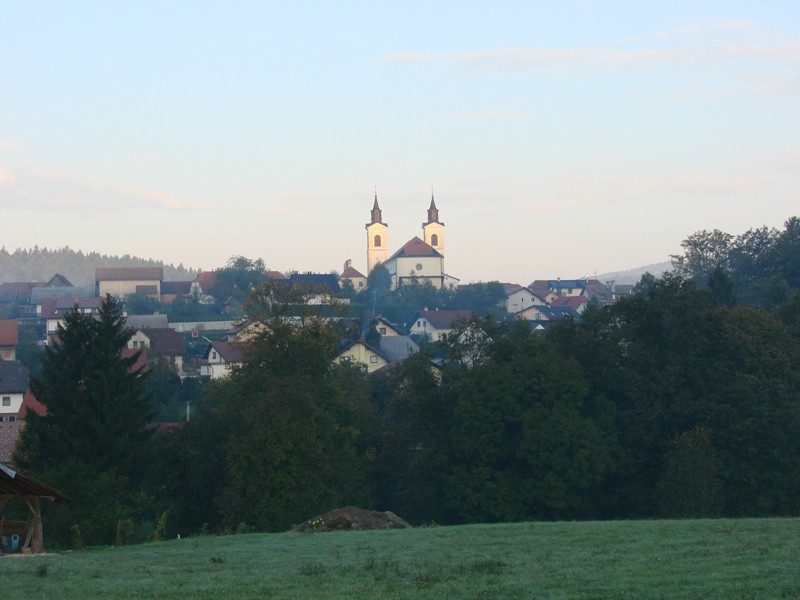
(208, 348)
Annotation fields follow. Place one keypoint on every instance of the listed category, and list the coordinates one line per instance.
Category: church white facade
(419, 260)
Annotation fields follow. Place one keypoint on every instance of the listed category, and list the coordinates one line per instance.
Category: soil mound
(352, 518)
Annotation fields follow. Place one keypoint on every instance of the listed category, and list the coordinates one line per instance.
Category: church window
(377, 241)
(434, 240)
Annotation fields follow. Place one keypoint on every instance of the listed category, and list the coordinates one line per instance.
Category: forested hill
(40, 264)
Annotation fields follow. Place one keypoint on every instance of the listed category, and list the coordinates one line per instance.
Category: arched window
(377, 241)
(434, 240)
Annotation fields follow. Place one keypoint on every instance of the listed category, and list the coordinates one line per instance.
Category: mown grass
(622, 559)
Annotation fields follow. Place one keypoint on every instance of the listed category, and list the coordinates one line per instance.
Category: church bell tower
(377, 237)
(433, 230)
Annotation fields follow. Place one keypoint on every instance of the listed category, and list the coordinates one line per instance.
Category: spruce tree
(91, 444)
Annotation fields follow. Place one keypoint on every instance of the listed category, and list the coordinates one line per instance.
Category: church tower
(377, 237)
(433, 230)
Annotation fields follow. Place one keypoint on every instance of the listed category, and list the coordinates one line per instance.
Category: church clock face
(419, 266)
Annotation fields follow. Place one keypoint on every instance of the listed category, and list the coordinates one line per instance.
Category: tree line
(679, 401)
(40, 264)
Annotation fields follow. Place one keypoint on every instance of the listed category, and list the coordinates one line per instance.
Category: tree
(289, 423)
(238, 277)
(91, 444)
(703, 252)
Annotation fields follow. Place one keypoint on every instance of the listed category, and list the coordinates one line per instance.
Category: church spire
(377, 213)
(433, 212)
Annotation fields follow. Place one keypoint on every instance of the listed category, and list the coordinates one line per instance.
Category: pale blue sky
(561, 139)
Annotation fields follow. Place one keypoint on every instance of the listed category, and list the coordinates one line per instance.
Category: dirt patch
(352, 518)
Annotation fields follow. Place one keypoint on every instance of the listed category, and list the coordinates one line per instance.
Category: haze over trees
(40, 264)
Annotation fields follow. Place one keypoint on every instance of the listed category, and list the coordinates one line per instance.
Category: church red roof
(415, 247)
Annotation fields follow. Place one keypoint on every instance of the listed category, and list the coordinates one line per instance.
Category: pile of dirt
(352, 518)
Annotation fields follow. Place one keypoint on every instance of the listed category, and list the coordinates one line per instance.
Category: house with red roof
(353, 276)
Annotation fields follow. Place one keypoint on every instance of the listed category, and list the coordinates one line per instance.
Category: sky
(561, 139)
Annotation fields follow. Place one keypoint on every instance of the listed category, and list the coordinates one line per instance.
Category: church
(419, 260)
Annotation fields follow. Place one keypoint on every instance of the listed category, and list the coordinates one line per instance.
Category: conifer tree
(92, 441)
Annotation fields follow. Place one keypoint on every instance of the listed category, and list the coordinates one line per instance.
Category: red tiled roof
(29, 402)
(571, 301)
(141, 362)
(206, 280)
(9, 332)
(350, 273)
(415, 247)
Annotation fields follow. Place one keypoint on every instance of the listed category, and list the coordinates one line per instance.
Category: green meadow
(751, 558)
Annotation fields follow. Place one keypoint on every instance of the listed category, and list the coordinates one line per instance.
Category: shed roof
(16, 485)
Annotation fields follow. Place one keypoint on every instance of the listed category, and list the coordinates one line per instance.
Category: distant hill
(632, 276)
(40, 264)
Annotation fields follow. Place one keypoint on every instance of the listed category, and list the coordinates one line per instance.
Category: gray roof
(42, 293)
(397, 347)
(13, 377)
(147, 321)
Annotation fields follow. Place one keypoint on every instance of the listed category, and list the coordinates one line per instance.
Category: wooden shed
(15, 487)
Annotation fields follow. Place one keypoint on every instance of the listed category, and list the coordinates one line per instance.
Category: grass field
(621, 559)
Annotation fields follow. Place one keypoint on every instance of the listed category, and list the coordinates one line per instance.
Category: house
(534, 313)
(38, 295)
(352, 277)
(385, 328)
(12, 423)
(435, 324)
(360, 353)
(246, 331)
(53, 311)
(19, 293)
(202, 286)
(172, 290)
(576, 303)
(13, 387)
(165, 343)
(519, 298)
(548, 314)
(321, 283)
(220, 358)
(9, 338)
(123, 281)
(397, 348)
(541, 289)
